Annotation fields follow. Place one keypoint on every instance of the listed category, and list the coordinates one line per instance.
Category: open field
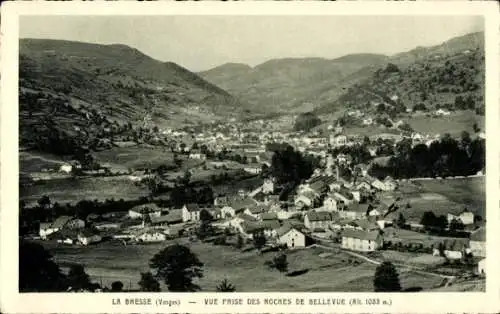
(107, 262)
(135, 157)
(35, 161)
(454, 124)
(443, 196)
(74, 190)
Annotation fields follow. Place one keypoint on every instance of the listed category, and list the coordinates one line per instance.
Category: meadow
(106, 262)
(90, 188)
(136, 157)
(454, 124)
(444, 196)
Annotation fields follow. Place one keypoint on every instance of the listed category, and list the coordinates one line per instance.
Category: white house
(292, 237)
(330, 204)
(253, 169)
(191, 212)
(466, 217)
(442, 112)
(365, 241)
(197, 156)
(481, 267)
(268, 186)
(150, 236)
(367, 121)
(314, 220)
(87, 237)
(477, 242)
(67, 168)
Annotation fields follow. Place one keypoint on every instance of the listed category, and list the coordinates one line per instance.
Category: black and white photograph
(252, 153)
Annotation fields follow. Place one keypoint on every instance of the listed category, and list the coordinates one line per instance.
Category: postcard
(183, 157)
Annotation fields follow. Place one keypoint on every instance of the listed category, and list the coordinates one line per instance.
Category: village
(359, 214)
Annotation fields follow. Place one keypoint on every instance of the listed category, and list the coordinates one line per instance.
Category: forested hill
(76, 89)
(450, 75)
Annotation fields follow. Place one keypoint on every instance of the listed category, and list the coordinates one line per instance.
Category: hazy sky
(202, 42)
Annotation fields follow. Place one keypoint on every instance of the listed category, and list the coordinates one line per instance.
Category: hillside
(291, 84)
(73, 88)
(450, 75)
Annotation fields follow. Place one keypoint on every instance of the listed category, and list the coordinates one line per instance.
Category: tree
(280, 263)
(386, 278)
(401, 221)
(225, 286)
(37, 271)
(239, 242)
(259, 240)
(476, 128)
(177, 266)
(149, 283)
(117, 286)
(306, 121)
(78, 279)
(456, 224)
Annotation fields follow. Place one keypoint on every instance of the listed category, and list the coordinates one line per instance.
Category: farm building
(477, 242)
(191, 212)
(62, 222)
(358, 240)
(87, 237)
(292, 237)
(314, 219)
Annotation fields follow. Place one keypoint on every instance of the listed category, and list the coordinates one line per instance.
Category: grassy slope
(244, 269)
(118, 81)
(442, 197)
(297, 84)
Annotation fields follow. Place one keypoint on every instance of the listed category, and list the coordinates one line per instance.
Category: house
(453, 249)
(466, 217)
(477, 242)
(305, 199)
(481, 267)
(356, 211)
(367, 121)
(236, 206)
(255, 211)
(363, 185)
(268, 186)
(291, 237)
(191, 212)
(314, 219)
(62, 222)
(196, 155)
(390, 184)
(221, 201)
(344, 196)
(87, 237)
(150, 236)
(253, 169)
(339, 140)
(442, 112)
(66, 168)
(365, 241)
(330, 204)
(141, 210)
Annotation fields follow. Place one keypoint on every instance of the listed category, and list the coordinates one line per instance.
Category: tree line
(443, 158)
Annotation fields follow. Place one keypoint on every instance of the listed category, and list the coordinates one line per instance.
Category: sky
(202, 42)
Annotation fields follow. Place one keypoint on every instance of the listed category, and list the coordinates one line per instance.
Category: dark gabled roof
(87, 233)
(454, 245)
(61, 221)
(257, 210)
(359, 208)
(319, 216)
(246, 217)
(243, 203)
(269, 216)
(478, 235)
(192, 207)
(145, 208)
(358, 234)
